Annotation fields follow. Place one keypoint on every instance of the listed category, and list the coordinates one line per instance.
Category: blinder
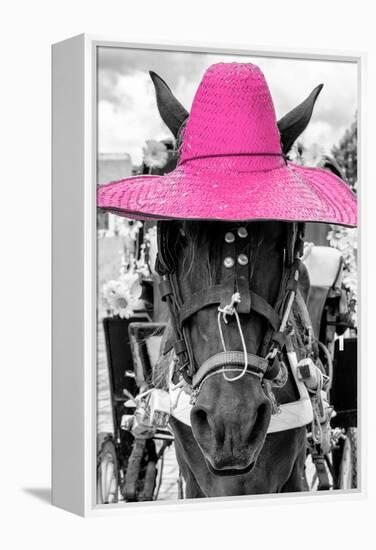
(238, 249)
(165, 261)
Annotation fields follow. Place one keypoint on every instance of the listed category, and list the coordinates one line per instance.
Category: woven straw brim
(287, 193)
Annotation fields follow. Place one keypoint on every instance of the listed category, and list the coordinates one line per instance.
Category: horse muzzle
(229, 422)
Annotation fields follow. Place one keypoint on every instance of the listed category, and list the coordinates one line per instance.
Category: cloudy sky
(128, 115)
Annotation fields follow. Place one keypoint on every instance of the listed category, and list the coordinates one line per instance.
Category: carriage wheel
(348, 472)
(107, 473)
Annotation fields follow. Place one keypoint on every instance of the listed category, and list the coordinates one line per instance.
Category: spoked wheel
(348, 472)
(107, 471)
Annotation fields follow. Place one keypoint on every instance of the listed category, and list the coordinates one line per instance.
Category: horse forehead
(206, 233)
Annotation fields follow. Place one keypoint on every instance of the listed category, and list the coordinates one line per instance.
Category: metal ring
(242, 259)
(242, 232)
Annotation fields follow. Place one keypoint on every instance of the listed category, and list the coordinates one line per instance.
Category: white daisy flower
(155, 154)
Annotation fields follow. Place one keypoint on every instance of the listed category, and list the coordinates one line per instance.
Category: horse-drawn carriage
(131, 459)
(330, 313)
(259, 364)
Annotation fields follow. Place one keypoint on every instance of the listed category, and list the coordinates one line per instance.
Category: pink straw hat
(231, 166)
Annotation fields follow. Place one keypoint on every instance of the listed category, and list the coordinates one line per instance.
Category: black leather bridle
(267, 365)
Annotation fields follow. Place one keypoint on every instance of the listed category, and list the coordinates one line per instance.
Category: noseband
(232, 296)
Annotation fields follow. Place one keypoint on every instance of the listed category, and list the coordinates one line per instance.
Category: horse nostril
(199, 416)
(201, 423)
(205, 426)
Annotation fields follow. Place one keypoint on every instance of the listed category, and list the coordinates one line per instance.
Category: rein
(233, 296)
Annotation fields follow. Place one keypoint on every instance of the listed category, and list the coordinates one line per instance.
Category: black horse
(226, 450)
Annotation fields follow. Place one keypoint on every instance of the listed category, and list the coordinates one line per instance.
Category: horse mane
(196, 234)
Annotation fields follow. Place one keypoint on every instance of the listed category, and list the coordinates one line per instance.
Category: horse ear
(295, 122)
(171, 110)
(330, 164)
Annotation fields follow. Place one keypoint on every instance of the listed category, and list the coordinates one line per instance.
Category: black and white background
(127, 117)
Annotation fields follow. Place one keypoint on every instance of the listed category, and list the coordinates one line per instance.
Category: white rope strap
(229, 309)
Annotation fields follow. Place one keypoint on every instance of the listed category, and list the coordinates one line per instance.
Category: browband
(214, 295)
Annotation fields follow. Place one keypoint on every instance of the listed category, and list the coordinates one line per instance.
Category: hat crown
(232, 113)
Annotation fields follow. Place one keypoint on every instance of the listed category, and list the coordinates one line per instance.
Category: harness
(233, 296)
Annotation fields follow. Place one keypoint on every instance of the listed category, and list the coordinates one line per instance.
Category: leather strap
(227, 274)
(262, 307)
(214, 295)
(242, 276)
(321, 470)
(165, 289)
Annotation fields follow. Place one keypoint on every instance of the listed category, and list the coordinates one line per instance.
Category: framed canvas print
(206, 306)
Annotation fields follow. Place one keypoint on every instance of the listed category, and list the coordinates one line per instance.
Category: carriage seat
(324, 266)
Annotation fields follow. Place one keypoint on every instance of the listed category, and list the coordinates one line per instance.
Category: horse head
(232, 408)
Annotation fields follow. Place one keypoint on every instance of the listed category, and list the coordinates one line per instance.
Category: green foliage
(346, 155)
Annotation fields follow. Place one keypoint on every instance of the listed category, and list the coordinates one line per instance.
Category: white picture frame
(74, 149)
